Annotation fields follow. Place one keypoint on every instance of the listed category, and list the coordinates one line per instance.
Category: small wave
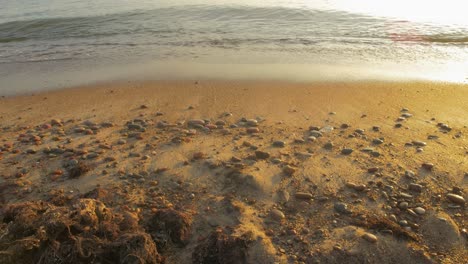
(8, 40)
(446, 39)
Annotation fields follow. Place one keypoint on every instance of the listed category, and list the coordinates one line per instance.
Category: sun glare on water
(447, 12)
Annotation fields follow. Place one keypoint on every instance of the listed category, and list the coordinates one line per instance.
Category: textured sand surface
(252, 172)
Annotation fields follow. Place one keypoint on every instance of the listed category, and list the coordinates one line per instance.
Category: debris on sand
(85, 231)
(221, 248)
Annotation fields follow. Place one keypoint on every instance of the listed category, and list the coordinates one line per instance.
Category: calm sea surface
(52, 43)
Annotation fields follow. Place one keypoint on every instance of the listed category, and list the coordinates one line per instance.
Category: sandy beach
(235, 172)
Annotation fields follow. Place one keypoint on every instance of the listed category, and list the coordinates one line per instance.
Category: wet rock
(458, 199)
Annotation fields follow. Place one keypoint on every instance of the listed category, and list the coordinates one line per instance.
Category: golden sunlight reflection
(440, 12)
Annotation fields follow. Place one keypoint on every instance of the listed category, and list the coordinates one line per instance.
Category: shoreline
(264, 172)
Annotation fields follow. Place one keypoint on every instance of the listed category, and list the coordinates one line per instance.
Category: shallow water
(50, 43)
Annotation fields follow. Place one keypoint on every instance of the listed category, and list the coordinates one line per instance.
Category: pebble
(121, 142)
(375, 154)
(360, 131)
(253, 130)
(288, 170)
(373, 169)
(427, 166)
(277, 214)
(370, 237)
(415, 187)
(328, 145)
(303, 155)
(455, 198)
(403, 222)
(251, 122)
(194, 122)
(279, 144)
(262, 154)
(315, 133)
(403, 205)
(312, 138)
(346, 151)
(377, 141)
(419, 210)
(341, 208)
(303, 196)
(419, 143)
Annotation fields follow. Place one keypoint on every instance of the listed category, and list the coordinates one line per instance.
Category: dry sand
(235, 172)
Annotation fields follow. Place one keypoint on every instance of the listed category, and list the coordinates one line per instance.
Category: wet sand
(235, 172)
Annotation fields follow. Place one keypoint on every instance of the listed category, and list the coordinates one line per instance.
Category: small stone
(252, 122)
(346, 151)
(419, 210)
(262, 154)
(194, 122)
(375, 154)
(370, 237)
(288, 170)
(419, 143)
(377, 141)
(458, 199)
(252, 130)
(315, 133)
(303, 196)
(427, 166)
(121, 142)
(415, 187)
(277, 214)
(373, 169)
(403, 205)
(279, 144)
(328, 145)
(56, 122)
(403, 222)
(341, 208)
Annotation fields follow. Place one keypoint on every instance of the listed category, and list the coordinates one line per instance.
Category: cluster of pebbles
(245, 188)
